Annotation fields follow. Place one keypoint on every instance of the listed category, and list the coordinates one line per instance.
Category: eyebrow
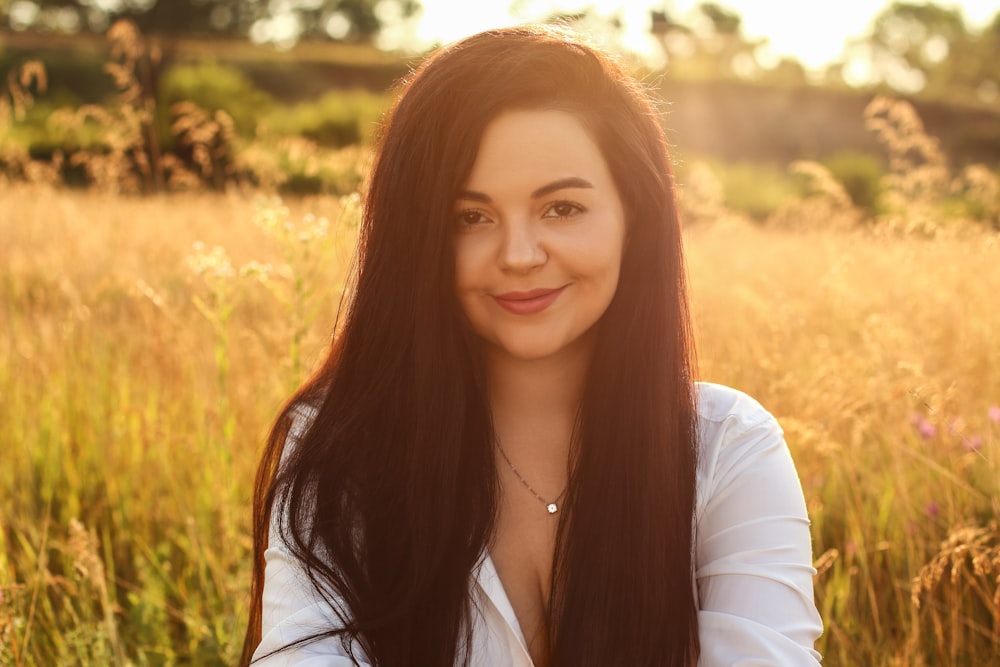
(548, 188)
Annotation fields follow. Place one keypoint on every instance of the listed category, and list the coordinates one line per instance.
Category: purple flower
(994, 414)
(932, 509)
(926, 429)
(973, 444)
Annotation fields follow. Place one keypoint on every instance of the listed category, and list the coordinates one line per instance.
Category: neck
(534, 404)
(536, 389)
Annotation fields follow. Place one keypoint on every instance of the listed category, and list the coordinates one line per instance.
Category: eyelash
(463, 217)
(576, 209)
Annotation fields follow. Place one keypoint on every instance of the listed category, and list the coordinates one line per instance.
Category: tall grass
(878, 355)
(140, 371)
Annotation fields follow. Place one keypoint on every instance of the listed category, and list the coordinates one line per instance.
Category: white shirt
(753, 565)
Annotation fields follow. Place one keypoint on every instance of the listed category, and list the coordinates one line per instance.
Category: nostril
(522, 255)
(521, 248)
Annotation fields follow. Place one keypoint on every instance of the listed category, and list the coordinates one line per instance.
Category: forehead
(532, 145)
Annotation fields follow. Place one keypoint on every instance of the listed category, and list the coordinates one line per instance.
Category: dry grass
(139, 373)
(878, 354)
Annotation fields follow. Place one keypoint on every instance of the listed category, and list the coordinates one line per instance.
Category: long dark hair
(390, 497)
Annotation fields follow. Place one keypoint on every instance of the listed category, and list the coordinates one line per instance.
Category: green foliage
(756, 189)
(339, 118)
(213, 87)
(860, 174)
(361, 19)
(926, 48)
(301, 167)
(78, 75)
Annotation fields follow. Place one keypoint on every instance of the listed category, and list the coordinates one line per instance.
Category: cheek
(609, 286)
(605, 277)
(600, 261)
(464, 266)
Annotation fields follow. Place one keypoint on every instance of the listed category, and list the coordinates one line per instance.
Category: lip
(529, 302)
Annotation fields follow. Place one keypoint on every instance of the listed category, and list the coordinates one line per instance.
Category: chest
(522, 551)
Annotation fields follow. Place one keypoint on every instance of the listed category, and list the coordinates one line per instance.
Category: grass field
(139, 373)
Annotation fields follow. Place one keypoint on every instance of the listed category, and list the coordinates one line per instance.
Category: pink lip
(530, 302)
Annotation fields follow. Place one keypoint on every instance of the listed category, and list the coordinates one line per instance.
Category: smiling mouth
(530, 302)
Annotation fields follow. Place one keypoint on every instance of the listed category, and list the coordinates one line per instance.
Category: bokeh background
(180, 183)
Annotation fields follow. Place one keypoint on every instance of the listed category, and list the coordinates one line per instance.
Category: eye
(471, 217)
(563, 209)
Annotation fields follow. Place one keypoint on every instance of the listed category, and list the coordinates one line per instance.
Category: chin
(530, 355)
(527, 350)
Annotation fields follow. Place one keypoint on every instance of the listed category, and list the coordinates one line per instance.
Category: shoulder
(752, 538)
(717, 404)
(735, 432)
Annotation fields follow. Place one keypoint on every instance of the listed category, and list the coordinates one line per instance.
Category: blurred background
(744, 82)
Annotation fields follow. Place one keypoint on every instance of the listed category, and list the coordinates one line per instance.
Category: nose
(521, 248)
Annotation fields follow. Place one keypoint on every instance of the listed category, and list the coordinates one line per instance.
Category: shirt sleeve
(292, 609)
(754, 569)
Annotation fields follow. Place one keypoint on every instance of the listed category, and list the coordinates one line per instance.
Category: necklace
(550, 507)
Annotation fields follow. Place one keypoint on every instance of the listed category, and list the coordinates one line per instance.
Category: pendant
(552, 508)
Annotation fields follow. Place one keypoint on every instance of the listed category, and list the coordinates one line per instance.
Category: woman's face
(540, 229)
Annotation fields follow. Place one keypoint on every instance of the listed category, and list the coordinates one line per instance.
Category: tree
(283, 21)
(914, 47)
(724, 21)
(710, 44)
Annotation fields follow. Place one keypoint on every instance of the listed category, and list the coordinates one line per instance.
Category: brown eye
(563, 209)
(471, 217)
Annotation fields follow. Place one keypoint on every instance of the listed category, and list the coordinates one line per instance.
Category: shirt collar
(489, 583)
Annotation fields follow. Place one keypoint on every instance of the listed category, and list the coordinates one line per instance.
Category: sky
(811, 31)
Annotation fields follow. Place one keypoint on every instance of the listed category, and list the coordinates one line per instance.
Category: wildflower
(932, 509)
(350, 209)
(926, 429)
(256, 270)
(214, 261)
(272, 216)
(994, 414)
(973, 444)
(313, 228)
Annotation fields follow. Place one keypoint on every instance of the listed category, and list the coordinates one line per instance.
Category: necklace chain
(550, 507)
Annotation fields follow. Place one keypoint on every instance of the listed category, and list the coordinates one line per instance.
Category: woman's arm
(754, 558)
(292, 609)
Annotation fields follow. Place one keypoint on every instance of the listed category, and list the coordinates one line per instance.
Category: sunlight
(444, 21)
(812, 33)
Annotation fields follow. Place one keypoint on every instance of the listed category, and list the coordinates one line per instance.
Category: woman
(505, 459)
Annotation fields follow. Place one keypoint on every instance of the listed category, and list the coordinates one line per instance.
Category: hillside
(725, 119)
